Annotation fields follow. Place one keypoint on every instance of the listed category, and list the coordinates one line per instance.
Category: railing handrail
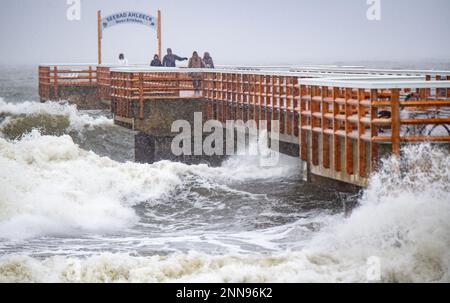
(371, 84)
(332, 77)
(67, 64)
(325, 72)
(373, 70)
(317, 73)
(291, 68)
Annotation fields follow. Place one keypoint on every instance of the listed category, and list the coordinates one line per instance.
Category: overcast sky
(234, 31)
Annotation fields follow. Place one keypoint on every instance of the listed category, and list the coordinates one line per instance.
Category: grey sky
(234, 31)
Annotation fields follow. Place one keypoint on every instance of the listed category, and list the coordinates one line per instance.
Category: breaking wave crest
(50, 185)
(403, 219)
(22, 117)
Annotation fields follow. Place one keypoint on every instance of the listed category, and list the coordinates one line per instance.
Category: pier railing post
(348, 130)
(90, 74)
(373, 130)
(336, 139)
(303, 133)
(448, 89)
(324, 126)
(141, 95)
(55, 82)
(395, 108)
(295, 106)
(361, 132)
(438, 90)
(315, 124)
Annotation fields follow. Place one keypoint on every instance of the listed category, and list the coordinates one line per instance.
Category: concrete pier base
(153, 143)
(83, 96)
(151, 149)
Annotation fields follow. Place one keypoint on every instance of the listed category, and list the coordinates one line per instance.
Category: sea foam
(51, 186)
(78, 120)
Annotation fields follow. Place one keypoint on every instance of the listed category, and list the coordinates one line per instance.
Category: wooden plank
(361, 132)
(373, 132)
(315, 108)
(414, 138)
(427, 90)
(222, 100)
(448, 89)
(239, 109)
(268, 102)
(425, 103)
(395, 111)
(348, 130)
(425, 121)
(55, 82)
(282, 103)
(229, 97)
(325, 137)
(260, 98)
(425, 138)
(438, 90)
(141, 96)
(302, 133)
(336, 141)
(251, 97)
(289, 102)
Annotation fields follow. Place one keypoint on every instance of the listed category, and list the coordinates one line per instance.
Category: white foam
(192, 267)
(49, 185)
(404, 219)
(78, 120)
(252, 167)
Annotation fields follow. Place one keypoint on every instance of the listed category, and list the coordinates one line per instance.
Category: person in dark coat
(170, 59)
(156, 61)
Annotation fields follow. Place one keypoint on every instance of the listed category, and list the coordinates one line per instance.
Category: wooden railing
(131, 89)
(236, 96)
(44, 82)
(51, 77)
(327, 114)
(367, 117)
(104, 82)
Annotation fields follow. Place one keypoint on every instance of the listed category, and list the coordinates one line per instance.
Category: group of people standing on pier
(170, 59)
(195, 61)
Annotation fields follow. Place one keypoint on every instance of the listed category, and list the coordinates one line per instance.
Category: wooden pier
(340, 121)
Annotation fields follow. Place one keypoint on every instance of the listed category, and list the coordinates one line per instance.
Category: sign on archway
(127, 17)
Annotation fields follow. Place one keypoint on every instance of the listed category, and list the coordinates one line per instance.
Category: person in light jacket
(196, 62)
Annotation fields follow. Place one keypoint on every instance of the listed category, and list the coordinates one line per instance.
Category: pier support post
(154, 122)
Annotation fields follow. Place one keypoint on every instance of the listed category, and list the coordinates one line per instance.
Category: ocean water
(74, 207)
